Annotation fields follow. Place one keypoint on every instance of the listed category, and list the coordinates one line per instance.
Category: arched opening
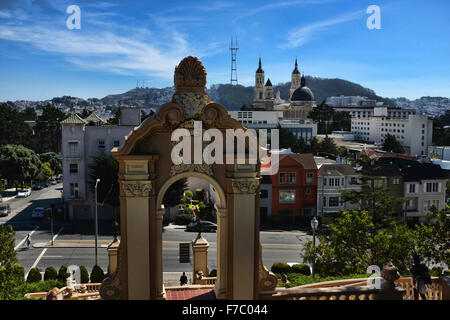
(191, 202)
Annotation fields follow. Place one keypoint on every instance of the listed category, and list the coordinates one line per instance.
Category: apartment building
(332, 178)
(81, 139)
(414, 133)
(424, 186)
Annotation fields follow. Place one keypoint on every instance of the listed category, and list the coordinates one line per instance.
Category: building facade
(81, 139)
(331, 179)
(424, 187)
(294, 188)
(414, 133)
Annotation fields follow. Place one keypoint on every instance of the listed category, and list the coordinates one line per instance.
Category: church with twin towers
(301, 99)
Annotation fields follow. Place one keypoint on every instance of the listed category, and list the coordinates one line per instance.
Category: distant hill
(234, 96)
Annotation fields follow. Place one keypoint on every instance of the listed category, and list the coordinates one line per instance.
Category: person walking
(420, 278)
(28, 241)
(284, 277)
(183, 279)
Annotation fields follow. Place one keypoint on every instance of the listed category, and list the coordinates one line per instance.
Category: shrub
(63, 274)
(301, 268)
(447, 273)
(183, 219)
(18, 271)
(50, 274)
(34, 275)
(213, 273)
(84, 275)
(43, 286)
(97, 274)
(279, 267)
(436, 271)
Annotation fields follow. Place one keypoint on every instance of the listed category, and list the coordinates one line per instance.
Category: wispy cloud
(301, 35)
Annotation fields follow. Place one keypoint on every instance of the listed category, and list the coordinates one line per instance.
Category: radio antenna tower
(233, 48)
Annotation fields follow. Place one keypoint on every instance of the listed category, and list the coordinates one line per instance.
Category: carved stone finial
(190, 76)
(389, 274)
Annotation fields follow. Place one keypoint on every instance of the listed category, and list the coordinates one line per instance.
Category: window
(324, 201)
(309, 178)
(264, 194)
(116, 143)
(333, 201)
(74, 190)
(73, 149)
(73, 168)
(282, 177)
(396, 181)
(432, 187)
(324, 181)
(287, 196)
(412, 188)
(101, 144)
(436, 203)
(353, 180)
(435, 187)
(292, 177)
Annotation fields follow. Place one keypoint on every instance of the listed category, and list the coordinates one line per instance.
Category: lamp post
(96, 222)
(314, 225)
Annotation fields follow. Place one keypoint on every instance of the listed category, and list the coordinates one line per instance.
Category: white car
(23, 193)
(38, 213)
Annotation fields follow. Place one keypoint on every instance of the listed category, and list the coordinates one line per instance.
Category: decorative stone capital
(200, 168)
(135, 189)
(245, 186)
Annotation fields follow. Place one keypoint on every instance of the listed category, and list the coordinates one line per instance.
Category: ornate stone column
(112, 256)
(244, 267)
(159, 255)
(222, 251)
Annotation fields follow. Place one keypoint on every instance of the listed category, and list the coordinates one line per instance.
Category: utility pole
(96, 223)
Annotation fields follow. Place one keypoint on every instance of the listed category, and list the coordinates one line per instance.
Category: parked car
(207, 226)
(5, 209)
(38, 213)
(53, 182)
(45, 184)
(59, 179)
(23, 193)
(37, 186)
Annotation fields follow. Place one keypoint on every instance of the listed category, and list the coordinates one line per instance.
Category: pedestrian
(284, 277)
(420, 278)
(28, 241)
(183, 279)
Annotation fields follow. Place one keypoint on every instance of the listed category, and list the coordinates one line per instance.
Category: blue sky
(123, 41)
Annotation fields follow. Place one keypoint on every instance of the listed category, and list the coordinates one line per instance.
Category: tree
(28, 114)
(13, 129)
(8, 256)
(48, 129)
(18, 163)
(391, 144)
(115, 119)
(322, 114)
(356, 243)
(105, 168)
(97, 274)
(327, 145)
(84, 113)
(54, 160)
(47, 171)
(286, 137)
(435, 237)
(175, 192)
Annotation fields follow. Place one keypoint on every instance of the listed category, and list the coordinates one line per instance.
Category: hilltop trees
(48, 129)
(13, 129)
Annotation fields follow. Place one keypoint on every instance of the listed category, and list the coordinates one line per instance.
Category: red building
(294, 188)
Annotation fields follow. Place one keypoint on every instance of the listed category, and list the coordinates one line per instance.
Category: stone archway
(145, 173)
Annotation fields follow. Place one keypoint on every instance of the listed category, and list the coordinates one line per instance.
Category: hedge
(63, 274)
(302, 269)
(183, 219)
(18, 271)
(97, 274)
(213, 273)
(50, 274)
(84, 275)
(279, 267)
(34, 275)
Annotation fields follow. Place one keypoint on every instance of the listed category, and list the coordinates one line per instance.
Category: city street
(74, 241)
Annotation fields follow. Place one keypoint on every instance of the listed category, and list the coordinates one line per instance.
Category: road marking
(45, 250)
(21, 242)
(263, 244)
(52, 257)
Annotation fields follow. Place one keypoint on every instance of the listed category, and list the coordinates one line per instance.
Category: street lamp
(314, 225)
(96, 223)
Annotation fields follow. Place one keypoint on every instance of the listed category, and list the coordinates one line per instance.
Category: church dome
(302, 94)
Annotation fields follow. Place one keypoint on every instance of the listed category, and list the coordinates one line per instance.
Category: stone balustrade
(207, 281)
(438, 290)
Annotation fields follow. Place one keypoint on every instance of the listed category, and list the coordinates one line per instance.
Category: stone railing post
(388, 290)
(200, 252)
(445, 283)
(112, 255)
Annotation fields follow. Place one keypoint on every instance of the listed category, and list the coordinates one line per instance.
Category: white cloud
(301, 35)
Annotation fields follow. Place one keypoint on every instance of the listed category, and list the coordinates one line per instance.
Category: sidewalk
(174, 226)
